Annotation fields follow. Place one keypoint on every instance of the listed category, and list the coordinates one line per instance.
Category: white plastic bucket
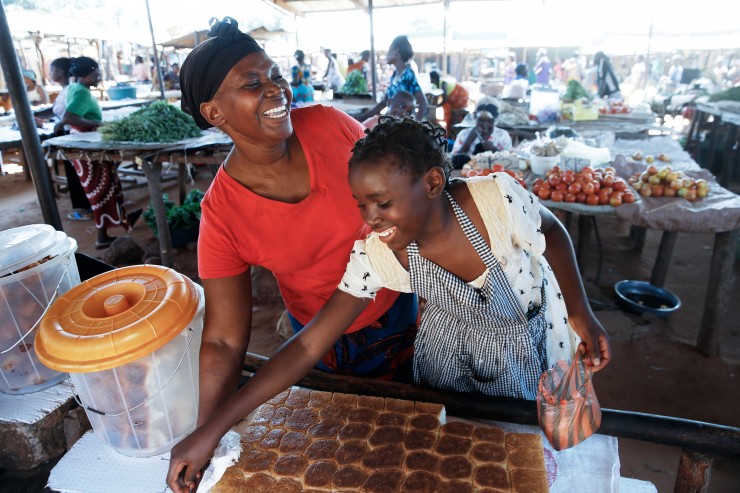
(25, 294)
(542, 164)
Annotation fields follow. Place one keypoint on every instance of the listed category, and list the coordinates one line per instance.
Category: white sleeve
(524, 211)
(360, 279)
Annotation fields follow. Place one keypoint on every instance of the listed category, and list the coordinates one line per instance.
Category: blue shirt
(406, 82)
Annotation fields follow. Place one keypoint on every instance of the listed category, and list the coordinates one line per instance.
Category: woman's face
(254, 100)
(392, 57)
(391, 202)
(92, 79)
(484, 123)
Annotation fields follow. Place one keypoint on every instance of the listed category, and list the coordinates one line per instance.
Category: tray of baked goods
(313, 441)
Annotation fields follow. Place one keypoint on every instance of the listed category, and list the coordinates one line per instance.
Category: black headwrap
(82, 66)
(206, 66)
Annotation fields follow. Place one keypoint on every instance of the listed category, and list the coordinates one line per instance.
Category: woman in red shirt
(281, 200)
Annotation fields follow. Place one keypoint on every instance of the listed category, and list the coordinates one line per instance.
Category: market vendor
(99, 178)
(481, 138)
(281, 200)
(454, 96)
(34, 91)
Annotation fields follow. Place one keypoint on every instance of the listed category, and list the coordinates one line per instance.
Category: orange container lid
(115, 318)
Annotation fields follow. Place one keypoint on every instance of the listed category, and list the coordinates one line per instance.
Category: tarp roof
(302, 7)
(189, 40)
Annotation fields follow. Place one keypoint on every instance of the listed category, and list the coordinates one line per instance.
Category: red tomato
(628, 197)
(574, 188)
(588, 188)
(544, 193)
(603, 199)
(608, 180)
(553, 180)
(556, 196)
(581, 198)
(498, 167)
(486, 172)
(569, 197)
(569, 177)
(597, 185)
(592, 199)
(620, 186)
(615, 201)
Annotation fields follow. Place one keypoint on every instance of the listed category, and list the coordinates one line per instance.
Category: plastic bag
(567, 407)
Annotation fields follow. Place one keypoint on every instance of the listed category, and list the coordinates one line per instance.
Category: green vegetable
(355, 83)
(576, 91)
(732, 94)
(158, 122)
(182, 216)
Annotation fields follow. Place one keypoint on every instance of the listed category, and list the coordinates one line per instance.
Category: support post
(153, 172)
(663, 260)
(694, 472)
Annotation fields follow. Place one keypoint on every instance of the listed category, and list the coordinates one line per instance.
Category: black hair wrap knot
(207, 65)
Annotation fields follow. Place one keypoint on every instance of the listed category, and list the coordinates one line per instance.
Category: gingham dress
(476, 339)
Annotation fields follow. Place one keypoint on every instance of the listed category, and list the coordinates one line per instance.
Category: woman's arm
(375, 110)
(561, 257)
(70, 118)
(443, 86)
(285, 368)
(42, 94)
(226, 332)
(421, 105)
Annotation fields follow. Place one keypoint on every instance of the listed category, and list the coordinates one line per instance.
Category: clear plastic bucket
(130, 340)
(36, 264)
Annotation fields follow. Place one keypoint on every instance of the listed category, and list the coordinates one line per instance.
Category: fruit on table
(469, 172)
(637, 156)
(587, 186)
(665, 182)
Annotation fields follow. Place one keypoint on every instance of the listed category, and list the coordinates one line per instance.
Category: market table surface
(211, 147)
(718, 213)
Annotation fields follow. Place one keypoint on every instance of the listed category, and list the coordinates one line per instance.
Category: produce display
(665, 182)
(615, 108)
(355, 83)
(587, 186)
(158, 122)
(496, 168)
(303, 440)
(576, 91)
(547, 148)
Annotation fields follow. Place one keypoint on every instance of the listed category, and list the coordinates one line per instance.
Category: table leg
(663, 260)
(714, 129)
(153, 172)
(585, 227)
(182, 174)
(694, 472)
(638, 233)
(719, 293)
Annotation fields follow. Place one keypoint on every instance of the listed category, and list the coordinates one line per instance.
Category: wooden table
(211, 148)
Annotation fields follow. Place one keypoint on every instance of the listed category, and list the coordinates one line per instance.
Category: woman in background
(454, 96)
(403, 78)
(301, 78)
(606, 80)
(34, 91)
(98, 178)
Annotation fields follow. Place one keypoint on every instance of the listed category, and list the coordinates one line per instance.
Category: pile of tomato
(587, 186)
(496, 168)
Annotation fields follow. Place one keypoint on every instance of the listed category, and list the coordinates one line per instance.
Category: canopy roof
(190, 40)
(302, 7)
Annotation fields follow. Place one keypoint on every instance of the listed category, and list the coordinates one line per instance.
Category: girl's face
(254, 100)
(391, 202)
(57, 74)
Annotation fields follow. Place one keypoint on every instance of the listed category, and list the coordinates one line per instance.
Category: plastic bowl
(542, 164)
(642, 297)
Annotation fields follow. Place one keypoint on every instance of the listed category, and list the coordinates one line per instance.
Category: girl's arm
(70, 118)
(285, 368)
(561, 257)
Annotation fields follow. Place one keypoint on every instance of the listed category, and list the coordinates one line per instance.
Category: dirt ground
(656, 368)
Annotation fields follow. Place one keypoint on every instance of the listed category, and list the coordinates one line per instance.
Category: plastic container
(544, 104)
(130, 339)
(121, 92)
(642, 297)
(542, 164)
(36, 264)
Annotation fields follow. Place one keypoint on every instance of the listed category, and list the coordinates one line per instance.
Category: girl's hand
(594, 346)
(188, 459)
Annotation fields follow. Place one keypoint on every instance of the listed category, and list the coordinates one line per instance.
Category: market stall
(210, 148)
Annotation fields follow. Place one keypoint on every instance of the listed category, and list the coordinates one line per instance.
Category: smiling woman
(281, 200)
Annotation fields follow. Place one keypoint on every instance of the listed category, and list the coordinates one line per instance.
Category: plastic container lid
(115, 318)
(21, 247)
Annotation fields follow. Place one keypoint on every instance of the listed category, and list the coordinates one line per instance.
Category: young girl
(496, 316)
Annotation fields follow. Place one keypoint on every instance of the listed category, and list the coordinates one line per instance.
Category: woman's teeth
(278, 112)
(387, 232)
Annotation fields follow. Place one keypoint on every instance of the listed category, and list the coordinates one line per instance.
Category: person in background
(485, 136)
(517, 89)
(140, 73)
(572, 69)
(99, 179)
(542, 68)
(402, 105)
(607, 84)
(509, 68)
(300, 81)
(81, 210)
(675, 72)
(403, 78)
(362, 65)
(172, 77)
(332, 75)
(454, 96)
(286, 182)
(638, 72)
(34, 91)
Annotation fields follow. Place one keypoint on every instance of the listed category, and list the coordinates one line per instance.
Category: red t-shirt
(306, 245)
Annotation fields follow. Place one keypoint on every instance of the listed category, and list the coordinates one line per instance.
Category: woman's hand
(188, 459)
(594, 346)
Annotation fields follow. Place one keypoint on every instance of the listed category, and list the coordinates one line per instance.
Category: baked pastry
(305, 441)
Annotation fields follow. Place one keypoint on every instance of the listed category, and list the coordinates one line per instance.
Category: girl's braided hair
(413, 147)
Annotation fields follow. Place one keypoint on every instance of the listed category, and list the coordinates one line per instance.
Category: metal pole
(27, 125)
(374, 76)
(646, 75)
(444, 39)
(160, 75)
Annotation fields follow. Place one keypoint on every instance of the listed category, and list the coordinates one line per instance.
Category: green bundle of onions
(158, 122)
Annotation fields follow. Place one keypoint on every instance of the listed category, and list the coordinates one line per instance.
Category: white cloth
(512, 218)
(60, 103)
(333, 76)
